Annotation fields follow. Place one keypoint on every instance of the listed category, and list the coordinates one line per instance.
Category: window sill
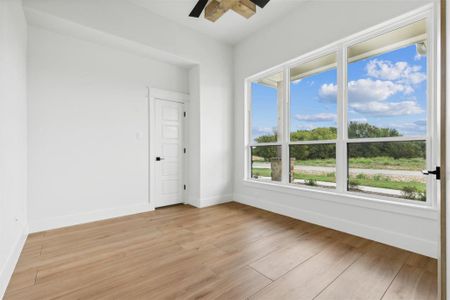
(404, 207)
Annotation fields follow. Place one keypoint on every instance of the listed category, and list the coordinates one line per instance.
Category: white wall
(214, 104)
(315, 25)
(88, 128)
(13, 136)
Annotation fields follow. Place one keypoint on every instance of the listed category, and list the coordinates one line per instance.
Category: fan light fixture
(214, 9)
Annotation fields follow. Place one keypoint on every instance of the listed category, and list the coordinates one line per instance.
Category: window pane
(313, 100)
(387, 84)
(266, 163)
(388, 168)
(313, 165)
(266, 102)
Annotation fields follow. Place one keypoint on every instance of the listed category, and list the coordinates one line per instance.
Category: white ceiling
(230, 28)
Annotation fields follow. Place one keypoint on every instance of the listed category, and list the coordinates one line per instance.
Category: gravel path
(319, 169)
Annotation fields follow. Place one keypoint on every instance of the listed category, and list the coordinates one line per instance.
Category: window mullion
(341, 146)
(248, 134)
(285, 126)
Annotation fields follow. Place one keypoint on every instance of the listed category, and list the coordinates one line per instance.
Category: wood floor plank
(284, 259)
(309, 278)
(21, 280)
(228, 251)
(99, 249)
(253, 251)
(163, 273)
(118, 277)
(369, 277)
(240, 284)
(415, 282)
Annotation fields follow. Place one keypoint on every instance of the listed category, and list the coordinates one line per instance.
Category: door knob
(159, 158)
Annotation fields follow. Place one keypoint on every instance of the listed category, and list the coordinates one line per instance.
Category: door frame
(443, 263)
(170, 96)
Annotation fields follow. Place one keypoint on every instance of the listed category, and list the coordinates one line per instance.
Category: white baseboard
(400, 240)
(194, 202)
(86, 217)
(210, 201)
(8, 270)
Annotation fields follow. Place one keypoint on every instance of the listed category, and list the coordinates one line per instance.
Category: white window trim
(382, 203)
(340, 48)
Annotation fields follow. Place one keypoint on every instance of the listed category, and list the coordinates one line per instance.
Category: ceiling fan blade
(199, 7)
(260, 3)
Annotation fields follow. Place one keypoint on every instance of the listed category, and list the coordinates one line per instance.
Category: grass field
(371, 181)
(381, 162)
(371, 163)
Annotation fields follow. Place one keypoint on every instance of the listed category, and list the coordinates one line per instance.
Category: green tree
(365, 130)
(395, 150)
(319, 151)
(322, 133)
(266, 152)
(325, 151)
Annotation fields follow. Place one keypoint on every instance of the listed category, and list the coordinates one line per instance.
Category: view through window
(313, 120)
(387, 98)
(380, 138)
(266, 106)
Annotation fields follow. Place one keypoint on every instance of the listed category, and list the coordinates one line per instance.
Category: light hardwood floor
(229, 251)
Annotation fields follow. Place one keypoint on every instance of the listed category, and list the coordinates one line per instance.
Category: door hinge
(184, 150)
(184, 114)
(184, 187)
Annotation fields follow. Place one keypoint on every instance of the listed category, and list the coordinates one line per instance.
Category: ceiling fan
(214, 9)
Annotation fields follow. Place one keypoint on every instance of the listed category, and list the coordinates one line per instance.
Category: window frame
(340, 48)
(249, 124)
(309, 58)
(280, 130)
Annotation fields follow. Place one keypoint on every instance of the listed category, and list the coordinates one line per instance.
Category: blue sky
(387, 90)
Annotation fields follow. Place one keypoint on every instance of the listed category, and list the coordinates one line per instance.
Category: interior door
(168, 148)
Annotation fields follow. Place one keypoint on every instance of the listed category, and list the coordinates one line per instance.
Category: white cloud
(370, 96)
(306, 127)
(258, 131)
(416, 78)
(320, 117)
(359, 120)
(328, 91)
(419, 124)
(380, 109)
(367, 90)
(418, 57)
(411, 128)
(399, 71)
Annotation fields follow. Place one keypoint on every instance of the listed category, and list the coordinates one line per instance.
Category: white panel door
(168, 153)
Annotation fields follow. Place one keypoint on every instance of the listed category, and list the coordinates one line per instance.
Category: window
(266, 105)
(387, 84)
(387, 101)
(313, 165)
(266, 112)
(312, 121)
(266, 163)
(353, 118)
(388, 168)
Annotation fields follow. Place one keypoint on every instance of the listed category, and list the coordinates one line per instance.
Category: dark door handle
(159, 158)
(436, 172)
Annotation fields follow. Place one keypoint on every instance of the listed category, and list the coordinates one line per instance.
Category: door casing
(164, 95)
